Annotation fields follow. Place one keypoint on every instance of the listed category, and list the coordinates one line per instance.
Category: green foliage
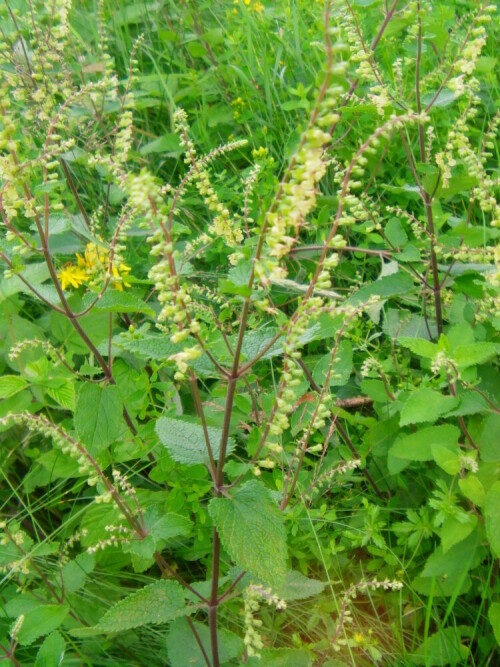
(249, 335)
(252, 532)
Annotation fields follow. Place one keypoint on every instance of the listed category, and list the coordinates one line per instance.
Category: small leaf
(11, 385)
(494, 618)
(426, 405)
(492, 518)
(98, 416)
(185, 441)
(51, 652)
(41, 621)
(252, 531)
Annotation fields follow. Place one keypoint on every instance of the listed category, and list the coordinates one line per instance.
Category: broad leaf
(426, 405)
(185, 441)
(252, 531)
(114, 301)
(492, 517)
(11, 385)
(418, 446)
(40, 621)
(157, 603)
(98, 416)
(441, 649)
(51, 651)
(494, 618)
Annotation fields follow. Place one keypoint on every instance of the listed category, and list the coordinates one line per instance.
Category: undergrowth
(249, 394)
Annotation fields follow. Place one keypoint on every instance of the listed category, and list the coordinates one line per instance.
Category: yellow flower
(118, 275)
(258, 7)
(71, 275)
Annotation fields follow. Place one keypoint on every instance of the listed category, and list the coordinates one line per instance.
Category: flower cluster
(91, 267)
(254, 595)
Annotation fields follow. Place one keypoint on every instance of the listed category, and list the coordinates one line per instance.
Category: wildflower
(258, 7)
(72, 275)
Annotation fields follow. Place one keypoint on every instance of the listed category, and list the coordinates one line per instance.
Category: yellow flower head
(71, 275)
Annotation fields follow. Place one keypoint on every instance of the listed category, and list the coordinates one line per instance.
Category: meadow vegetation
(250, 304)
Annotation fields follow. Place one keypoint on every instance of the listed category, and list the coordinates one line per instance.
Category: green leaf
(418, 446)
(281, 657)
(40, 621)
(299, 587)
(487, 439)
(472, 489)
(494, 618)
(183, 651)
(51, 651)
(11, 385)
(420, 346)
(64, 395)
(185, 441)
(492, 518)
(168, 145)
(157, 603)
(98, 416)
(114, 301)
(447, 458)
(387, 287)
(441, 649)
(454, 531)
(252, 531)
(426, 405)
(341, 367)
(473, 354)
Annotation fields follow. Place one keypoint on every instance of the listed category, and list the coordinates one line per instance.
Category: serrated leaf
(494, 618)
(418, 446)
(472, 489)
(420, 346)
(426, 405)
(185, 441)
(387, 287)
(51, 652)
(11, 385)
(252, 531)
(492, 518)
(98, 416)
(447, 458)
(184, 652)
(154, 604)
(473, 354)
(454, 531)
(40, 621)
(167, 525)
(299, 587)
(64, 395)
